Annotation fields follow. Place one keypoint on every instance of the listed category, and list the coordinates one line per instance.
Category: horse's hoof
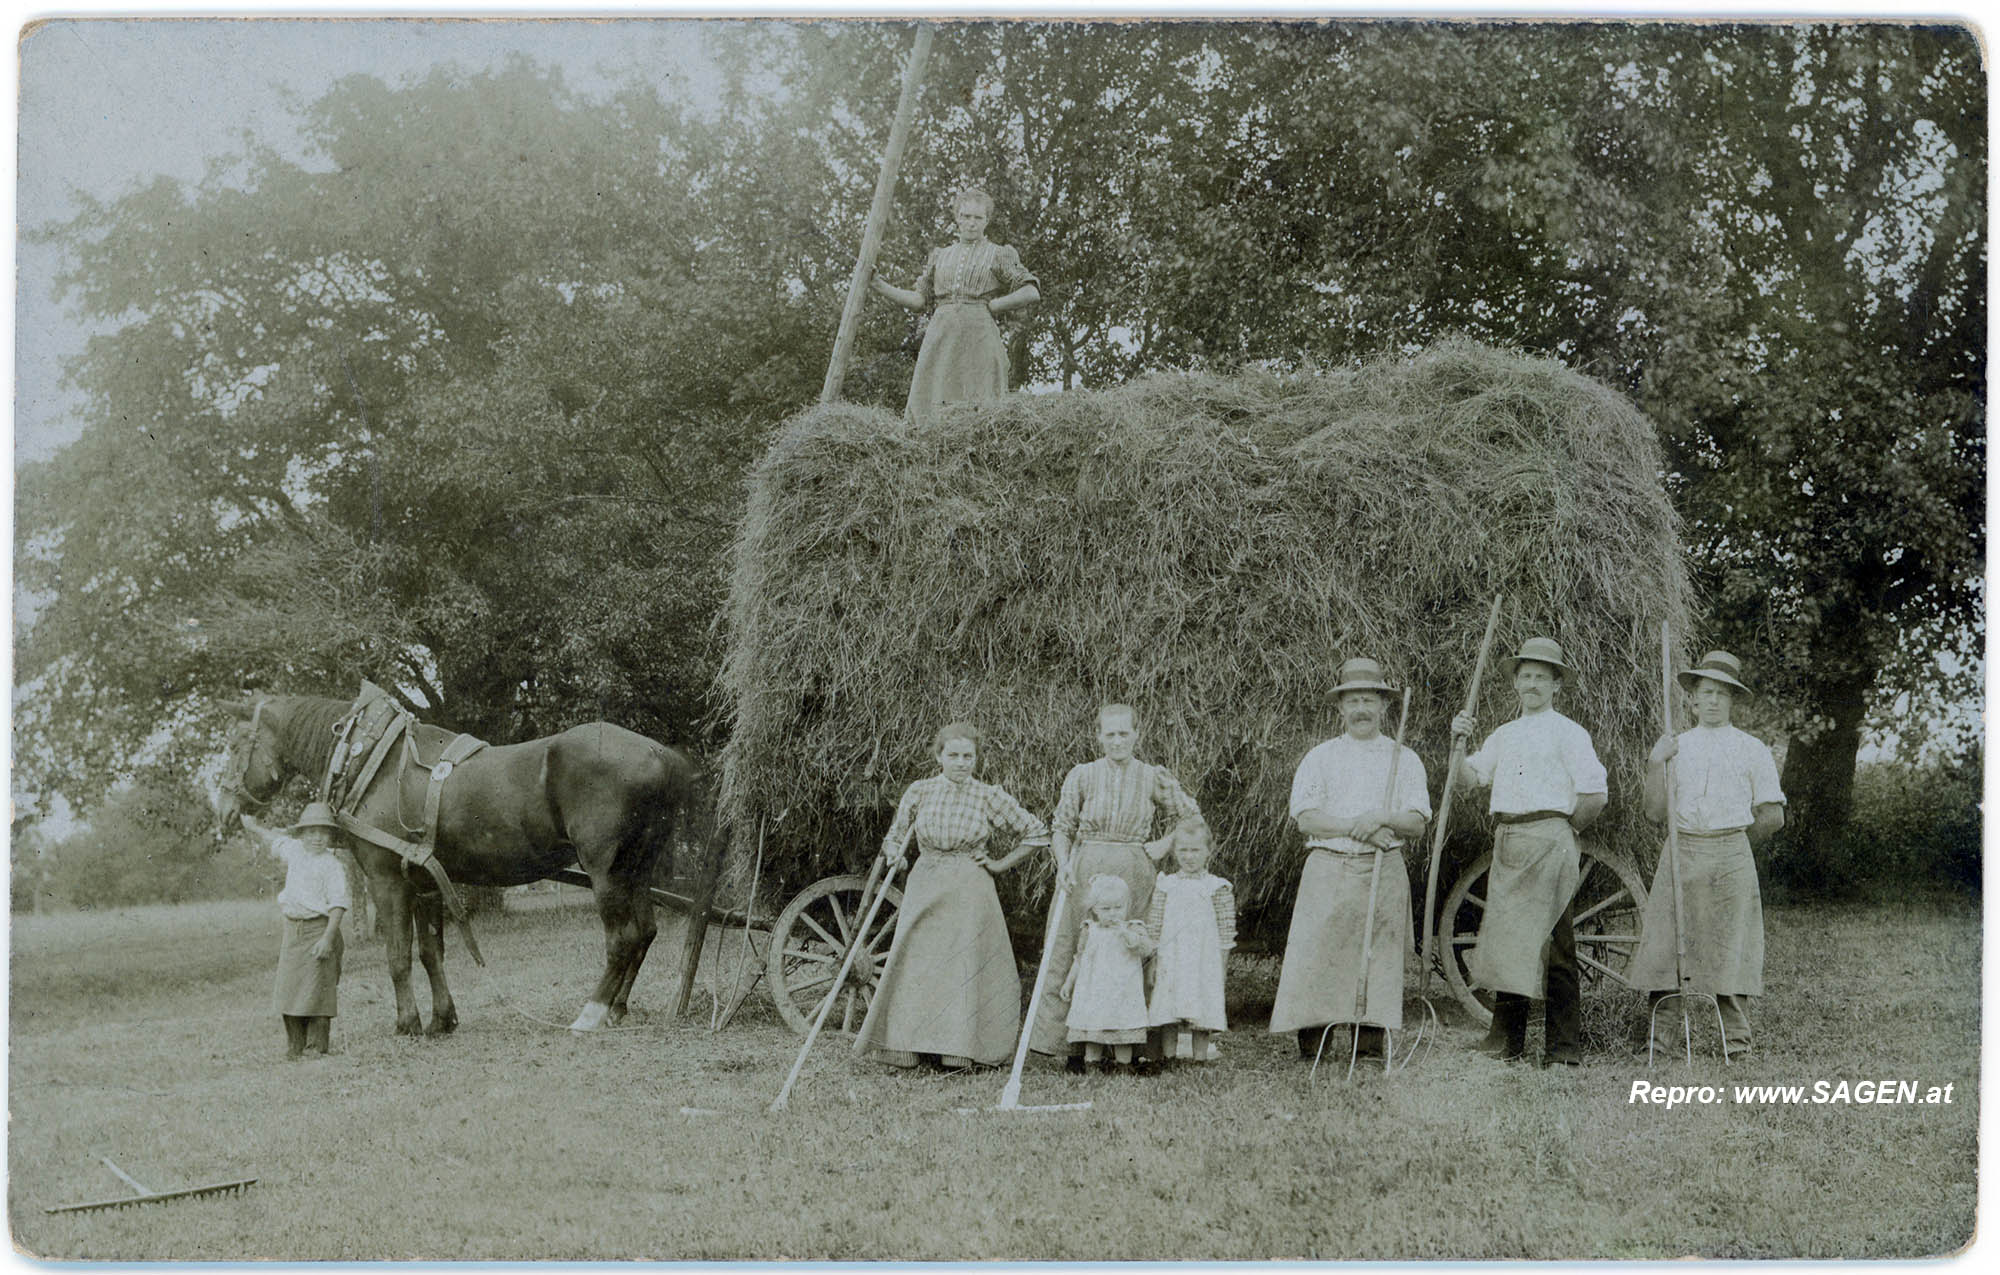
(409, 1027)
(591, 1018)
(442, 1026)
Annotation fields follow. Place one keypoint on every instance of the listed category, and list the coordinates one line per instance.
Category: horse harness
(374, 728)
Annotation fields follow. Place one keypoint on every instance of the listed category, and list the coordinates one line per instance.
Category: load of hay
(1207, 549)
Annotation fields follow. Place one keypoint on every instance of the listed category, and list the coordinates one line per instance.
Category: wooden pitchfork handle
(1375, 876)
(1444, 803)
(1682, 979)
(1010, 1095)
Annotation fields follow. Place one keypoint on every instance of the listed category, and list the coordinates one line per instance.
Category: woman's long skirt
(1322, 974)
(1049, 1034)
(950, 985)
(963, 358)
(306, 985)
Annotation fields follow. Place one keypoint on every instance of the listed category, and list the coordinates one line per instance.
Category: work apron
(1724, 911)
(1536, 867)
(1323, 969)
(306, 986)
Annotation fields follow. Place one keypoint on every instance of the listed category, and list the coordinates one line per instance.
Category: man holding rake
(1547, 783)
(1341, 801)
(1727, 799)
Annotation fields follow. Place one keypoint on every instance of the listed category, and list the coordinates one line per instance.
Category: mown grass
(145, 1036)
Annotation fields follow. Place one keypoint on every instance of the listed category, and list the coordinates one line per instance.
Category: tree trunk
(1819, 787)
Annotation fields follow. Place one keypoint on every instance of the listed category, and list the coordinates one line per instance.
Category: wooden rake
(1683, 981)
(1010, 1094)
(149, 1196)
(854, 948)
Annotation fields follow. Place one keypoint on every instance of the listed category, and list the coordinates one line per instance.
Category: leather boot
(295, 1036)
(1508, 1037)
(319, 1034)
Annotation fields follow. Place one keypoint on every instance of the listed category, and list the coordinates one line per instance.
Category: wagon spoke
(1600, 905)
(1466, 940)
(797, 989)
(1475, 900)
(1599, 966)
(840, 919)
(807, 954)
(1589, 866)
(1607, 938)
(820, 930)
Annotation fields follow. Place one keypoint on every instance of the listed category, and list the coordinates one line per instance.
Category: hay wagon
(805, 943)
(810, 936)
(1207, 548)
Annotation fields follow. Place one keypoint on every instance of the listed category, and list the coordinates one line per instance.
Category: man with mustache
(1547, 784)
(1342, 803)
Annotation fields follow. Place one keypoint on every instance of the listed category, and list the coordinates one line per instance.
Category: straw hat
(1716, 666)
(1539, 650)
(316, 815)
(1361, 674)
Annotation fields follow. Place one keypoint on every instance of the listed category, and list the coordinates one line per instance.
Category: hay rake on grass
(149, 1196)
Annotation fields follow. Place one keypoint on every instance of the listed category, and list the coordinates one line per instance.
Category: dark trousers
(1562, 1012)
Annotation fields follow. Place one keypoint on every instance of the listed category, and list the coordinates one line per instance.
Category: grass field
(145, 1035)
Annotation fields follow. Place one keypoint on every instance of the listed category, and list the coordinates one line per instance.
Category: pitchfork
(149, 1196)
(1683, 981)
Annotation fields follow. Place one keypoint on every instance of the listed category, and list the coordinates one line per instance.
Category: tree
(458, 404)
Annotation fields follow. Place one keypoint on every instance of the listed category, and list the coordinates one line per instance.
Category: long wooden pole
(839, 980)
(1444, 805)
(1375, 882)
(878, 215)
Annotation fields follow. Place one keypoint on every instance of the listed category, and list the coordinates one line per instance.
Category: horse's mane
(303, 728)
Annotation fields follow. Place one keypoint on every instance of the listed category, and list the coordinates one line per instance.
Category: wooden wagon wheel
(809, 940)
(1610, 899)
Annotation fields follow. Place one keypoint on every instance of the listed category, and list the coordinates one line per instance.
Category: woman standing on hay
(963, 357)
(313, 901)
(1106, 813)
(950, 995)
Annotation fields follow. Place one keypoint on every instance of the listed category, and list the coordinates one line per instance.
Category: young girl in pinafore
(1106, 986)
(1193, 924)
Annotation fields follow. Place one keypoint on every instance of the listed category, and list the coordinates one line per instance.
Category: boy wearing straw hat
(1727, 799)
(1547, 783)
(1338, 803)
(314, 900)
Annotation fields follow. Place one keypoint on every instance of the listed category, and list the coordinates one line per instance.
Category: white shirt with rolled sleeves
(315, 881)
(1345, 777)
(1721, 775)
(1543, 761)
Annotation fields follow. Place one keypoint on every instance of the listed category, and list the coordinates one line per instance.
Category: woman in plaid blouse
(949, 994)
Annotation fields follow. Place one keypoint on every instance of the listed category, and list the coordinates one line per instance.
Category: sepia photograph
(1049, 639)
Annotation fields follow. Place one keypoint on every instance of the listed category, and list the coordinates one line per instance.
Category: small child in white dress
(1193, 923)
(1106, 986)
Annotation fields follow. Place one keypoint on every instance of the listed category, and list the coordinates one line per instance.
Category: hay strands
(149, 1196)
(1684, 991)
(1010, 1094)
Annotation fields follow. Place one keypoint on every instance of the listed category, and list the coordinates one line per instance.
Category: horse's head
(251, 774)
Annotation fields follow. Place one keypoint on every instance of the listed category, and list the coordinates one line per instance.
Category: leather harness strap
(422, 852)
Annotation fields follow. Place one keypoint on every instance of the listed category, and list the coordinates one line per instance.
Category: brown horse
(596, 796)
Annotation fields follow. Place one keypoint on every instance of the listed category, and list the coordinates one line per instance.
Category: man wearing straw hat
(1547, 783)
(1342, 803)
(1727, 800)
